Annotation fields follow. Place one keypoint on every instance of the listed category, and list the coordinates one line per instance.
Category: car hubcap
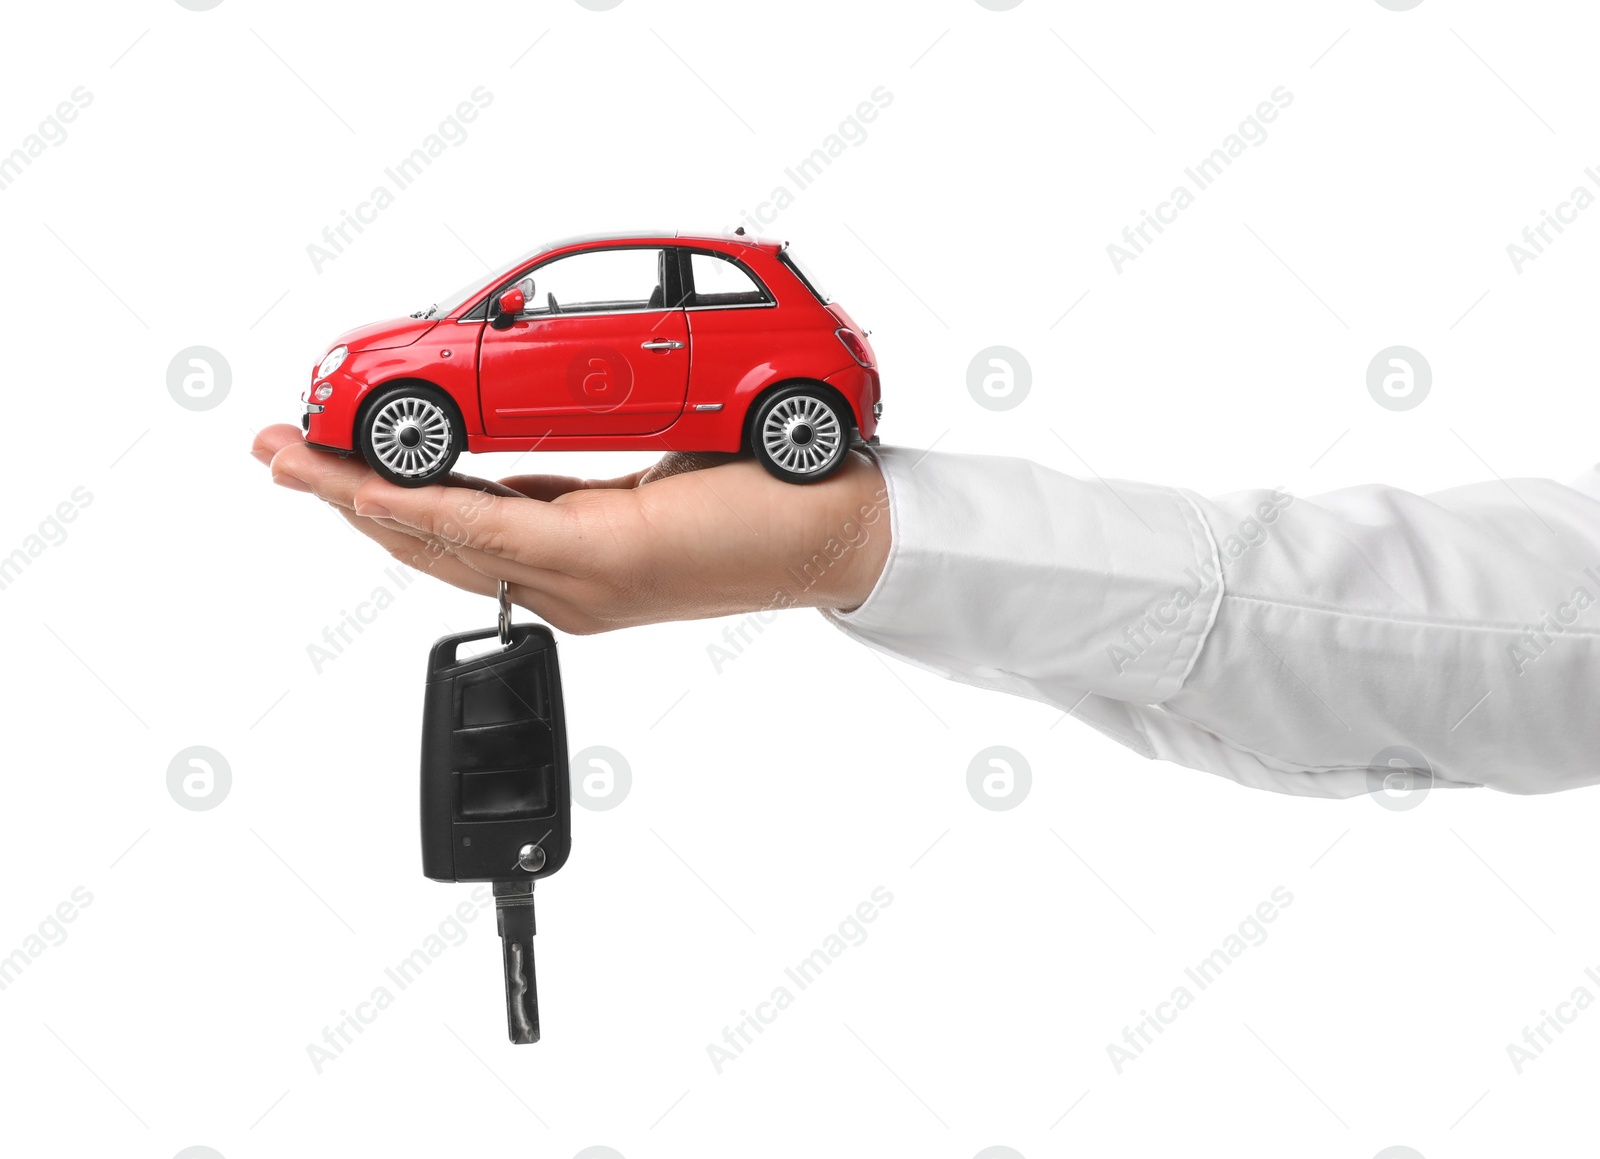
(411, 436)
(802, 435)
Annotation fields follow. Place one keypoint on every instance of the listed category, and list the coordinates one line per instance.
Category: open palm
(691, 537)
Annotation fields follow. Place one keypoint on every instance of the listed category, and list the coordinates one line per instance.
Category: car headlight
(335, 359)
(324, 392)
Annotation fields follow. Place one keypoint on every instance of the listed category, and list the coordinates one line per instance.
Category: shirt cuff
(1007, 575)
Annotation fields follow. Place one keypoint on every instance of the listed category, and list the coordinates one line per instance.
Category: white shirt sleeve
(1308, 646)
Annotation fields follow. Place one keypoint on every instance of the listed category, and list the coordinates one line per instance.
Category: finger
(451, 563)
(434, 559)
(548, 487)
(433, 547)
(327, 475)
(403, 546)
(681, 462)
(558, 613)
(270, 440)
(335, 477)
(542, 535)
(421, 555)
(576, 593)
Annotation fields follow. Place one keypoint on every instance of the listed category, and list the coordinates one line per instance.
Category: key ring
(505, 614)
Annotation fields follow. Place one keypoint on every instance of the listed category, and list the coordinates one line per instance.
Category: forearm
(1283, 642)
(1005, 574)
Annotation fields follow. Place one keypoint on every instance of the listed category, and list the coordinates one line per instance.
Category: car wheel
(411, 436)
(799, 434)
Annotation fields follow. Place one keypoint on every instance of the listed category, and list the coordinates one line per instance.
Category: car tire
(800, 433)
(411, 435)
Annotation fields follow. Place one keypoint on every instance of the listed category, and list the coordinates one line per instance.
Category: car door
(595, 351)
(734, 325)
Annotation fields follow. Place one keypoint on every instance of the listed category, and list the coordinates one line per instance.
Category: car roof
(722, 238)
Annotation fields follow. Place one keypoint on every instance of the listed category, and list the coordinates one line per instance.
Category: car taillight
(852, 343)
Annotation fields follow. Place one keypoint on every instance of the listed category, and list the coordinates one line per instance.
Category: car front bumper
(330, 423)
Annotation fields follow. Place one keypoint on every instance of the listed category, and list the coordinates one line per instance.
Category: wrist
(856, 537)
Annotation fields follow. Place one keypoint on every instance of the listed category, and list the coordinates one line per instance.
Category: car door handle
(661, 344)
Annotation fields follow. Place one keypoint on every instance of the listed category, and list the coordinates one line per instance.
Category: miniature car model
(650, 341)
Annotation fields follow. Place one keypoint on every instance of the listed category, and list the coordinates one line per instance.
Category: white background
(769, 800)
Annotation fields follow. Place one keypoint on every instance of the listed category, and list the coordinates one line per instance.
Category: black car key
(496, 801)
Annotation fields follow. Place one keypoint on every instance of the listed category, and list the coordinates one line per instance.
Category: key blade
(513, 903)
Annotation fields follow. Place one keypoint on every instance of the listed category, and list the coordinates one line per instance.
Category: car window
(805, 277)
(721, 281)
(594, 281)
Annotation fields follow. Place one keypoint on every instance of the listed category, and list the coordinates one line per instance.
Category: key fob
(496, 801)
(494, 761)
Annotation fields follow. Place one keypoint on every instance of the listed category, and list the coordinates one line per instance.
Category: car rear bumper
(860, 385)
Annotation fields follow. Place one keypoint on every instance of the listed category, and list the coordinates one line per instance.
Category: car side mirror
(506, 308)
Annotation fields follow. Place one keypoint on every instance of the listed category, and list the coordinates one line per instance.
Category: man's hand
(694, 536)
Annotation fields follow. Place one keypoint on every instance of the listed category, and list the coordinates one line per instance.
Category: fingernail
(261, 455)
(289, 481)
(374, 511)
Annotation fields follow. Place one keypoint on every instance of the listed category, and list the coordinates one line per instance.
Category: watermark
(199, 778)
(1539, 1037)
(999, 778)
(1399, 778)
(1250, 932)
(850, 932)
(199, 378)
(450, 932)
(855, 533)
(338, 636)
(1399, 378)
(999, 378)
(1537, 637)
(451, 133)
(1536, 238)
(601, 778)
(49, 934)
(1160, 618)
(851, 132)
(599, 378)
(1251, 133)
(51, 532)
(51, 133)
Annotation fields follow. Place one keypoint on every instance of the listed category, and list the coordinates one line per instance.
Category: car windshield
(459, 297)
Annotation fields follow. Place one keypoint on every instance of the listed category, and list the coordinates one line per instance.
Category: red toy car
(655, 341)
